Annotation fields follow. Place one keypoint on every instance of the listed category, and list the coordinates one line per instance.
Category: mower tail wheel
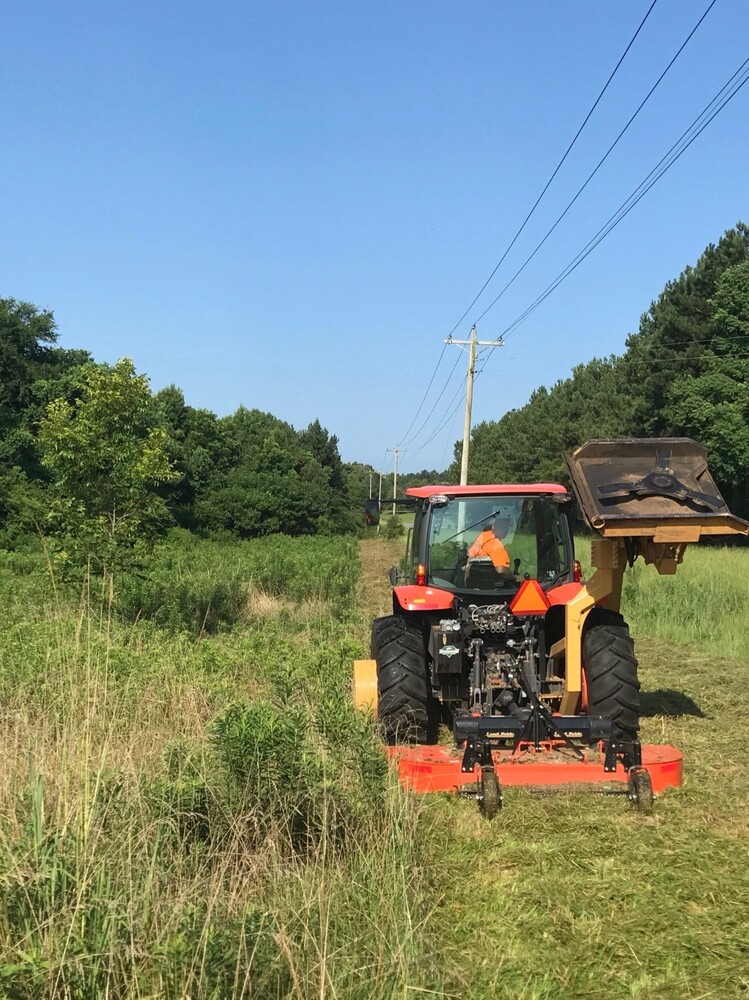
(640, 789)
(490, 800)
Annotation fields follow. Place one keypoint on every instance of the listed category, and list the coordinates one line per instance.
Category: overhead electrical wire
(450, 436)
(424, 423)
(405, 438)
(618, 216)
(450, 414)
(709, 112)
(557, 168)
(695, 360)
(423, 398)
(600, 163)
(701, 340)
(719, 101)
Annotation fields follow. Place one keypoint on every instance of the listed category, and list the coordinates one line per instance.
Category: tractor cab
(484, 542)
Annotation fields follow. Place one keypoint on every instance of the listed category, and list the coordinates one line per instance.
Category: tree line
(93, 459)
(96, 462)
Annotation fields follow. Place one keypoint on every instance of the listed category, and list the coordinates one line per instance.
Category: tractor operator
(487, 544)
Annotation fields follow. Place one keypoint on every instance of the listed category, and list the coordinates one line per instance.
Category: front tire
(611, 673)
(404, 700)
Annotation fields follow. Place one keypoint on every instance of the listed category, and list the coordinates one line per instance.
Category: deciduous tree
(106, 457)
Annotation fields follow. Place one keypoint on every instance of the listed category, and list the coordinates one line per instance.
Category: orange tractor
(494, 632)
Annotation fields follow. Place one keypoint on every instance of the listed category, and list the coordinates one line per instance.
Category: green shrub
(392, 528)
(312, 778)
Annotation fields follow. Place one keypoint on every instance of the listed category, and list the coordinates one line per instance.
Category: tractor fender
(563, 594)
(413, 598)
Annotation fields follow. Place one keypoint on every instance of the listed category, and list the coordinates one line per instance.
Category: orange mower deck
(438, 768)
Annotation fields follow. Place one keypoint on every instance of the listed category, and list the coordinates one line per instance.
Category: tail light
(421, 575)
(577, 571)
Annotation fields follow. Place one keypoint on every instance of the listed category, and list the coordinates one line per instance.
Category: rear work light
(421, 575)
(577, 571)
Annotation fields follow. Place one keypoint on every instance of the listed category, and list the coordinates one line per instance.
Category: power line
(569, 148)
(447, 442)
(582, 188)
(726, 93)
(613, 221)
(599, 164)
(557, 168)
(694, 360)
(415, 436)
(426, 393)
(665, 163)
(698, 340)
(449, 341)
(450, 413)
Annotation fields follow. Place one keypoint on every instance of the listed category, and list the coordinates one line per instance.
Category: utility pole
(396, 452)
(370, 484)
(379, 499)
(472, 343)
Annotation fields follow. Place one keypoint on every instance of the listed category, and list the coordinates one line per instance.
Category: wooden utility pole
(472, 343)
(396, 452)
(379, 498)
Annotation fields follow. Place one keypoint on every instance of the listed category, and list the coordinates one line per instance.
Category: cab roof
(493, 490)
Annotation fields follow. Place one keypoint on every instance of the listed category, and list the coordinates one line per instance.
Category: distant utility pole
(396, 452)
(472, 343)
(379, 499)
(370, 484)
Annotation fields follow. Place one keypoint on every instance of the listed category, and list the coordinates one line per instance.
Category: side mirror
(394, 576)
(372, 512)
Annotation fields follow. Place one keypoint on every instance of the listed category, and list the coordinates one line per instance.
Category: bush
(392, 528)
(308, 777)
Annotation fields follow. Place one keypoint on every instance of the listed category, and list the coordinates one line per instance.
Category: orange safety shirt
(487, 544)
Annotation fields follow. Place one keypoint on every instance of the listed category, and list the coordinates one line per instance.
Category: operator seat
(481, 574)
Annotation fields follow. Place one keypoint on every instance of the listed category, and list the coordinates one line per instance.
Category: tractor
(495, 634)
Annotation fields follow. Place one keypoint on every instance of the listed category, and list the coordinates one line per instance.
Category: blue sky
(289, 206)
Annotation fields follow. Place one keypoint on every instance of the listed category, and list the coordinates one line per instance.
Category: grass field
(189, 807)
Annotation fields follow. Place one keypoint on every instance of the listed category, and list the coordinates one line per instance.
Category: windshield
(494, 543)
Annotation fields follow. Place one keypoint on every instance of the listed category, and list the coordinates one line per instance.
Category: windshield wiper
(470, 527)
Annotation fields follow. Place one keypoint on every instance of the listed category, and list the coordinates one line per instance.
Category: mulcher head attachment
(650, 487)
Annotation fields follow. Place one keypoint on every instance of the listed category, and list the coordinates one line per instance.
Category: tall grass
(705, 604)
(186, 813)
(203, 586)
(199, 815)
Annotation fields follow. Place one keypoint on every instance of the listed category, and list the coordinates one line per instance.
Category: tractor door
(414, 546)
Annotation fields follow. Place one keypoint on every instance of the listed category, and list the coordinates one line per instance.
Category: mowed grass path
(578, 897)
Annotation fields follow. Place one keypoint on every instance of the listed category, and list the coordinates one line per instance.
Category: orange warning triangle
(530, 600)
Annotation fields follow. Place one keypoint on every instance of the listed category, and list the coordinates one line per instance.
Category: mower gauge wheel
(640, 789)
(490, 795)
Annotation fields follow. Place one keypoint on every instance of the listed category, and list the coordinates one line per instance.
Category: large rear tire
(404, 702)
(611, 672)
